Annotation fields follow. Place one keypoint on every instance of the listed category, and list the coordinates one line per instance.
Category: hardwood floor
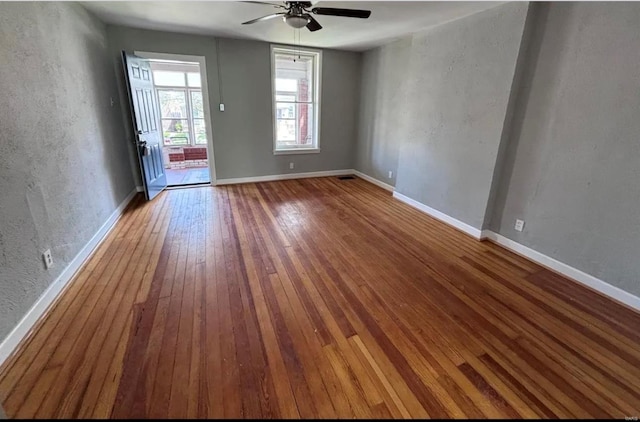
(318, 298)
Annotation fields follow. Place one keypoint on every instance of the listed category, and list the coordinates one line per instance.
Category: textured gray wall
(382, 97)
(434, 105)
(522, 71)
(460, 78)
(572, 170)
(63, 162)
(243, 133)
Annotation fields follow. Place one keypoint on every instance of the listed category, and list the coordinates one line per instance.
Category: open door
(144, 114)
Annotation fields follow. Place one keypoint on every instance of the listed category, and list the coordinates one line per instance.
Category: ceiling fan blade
(348, 13)
(264, 18)
(265, 3)
(313, 24)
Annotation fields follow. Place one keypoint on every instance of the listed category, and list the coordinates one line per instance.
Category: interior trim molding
(139, 188)
(273, 177)
(566, 270)
(376, 182)
(464, 227)
(23, 329)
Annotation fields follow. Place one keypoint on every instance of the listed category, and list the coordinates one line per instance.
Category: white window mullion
(189, 115)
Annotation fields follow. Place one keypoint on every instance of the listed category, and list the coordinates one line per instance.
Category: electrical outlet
(221, 107)
(48, 259)
(290, 166)
(519, 225)
(112, 102)
(390, 174)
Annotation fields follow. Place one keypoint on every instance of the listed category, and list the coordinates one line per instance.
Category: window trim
(316, 99)
(189, 109)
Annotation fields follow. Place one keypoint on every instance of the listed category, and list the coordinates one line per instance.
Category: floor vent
(346, 177)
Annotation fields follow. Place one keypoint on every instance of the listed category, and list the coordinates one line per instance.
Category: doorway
(183, 107)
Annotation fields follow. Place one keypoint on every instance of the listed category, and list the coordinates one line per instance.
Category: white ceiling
(389, 20)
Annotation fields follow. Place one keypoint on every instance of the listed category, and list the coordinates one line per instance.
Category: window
(175, 120)
(296, 99)
(181, 107)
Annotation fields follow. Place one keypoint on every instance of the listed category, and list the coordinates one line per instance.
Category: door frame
(205, 99)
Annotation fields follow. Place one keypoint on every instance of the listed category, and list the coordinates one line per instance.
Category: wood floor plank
(79, 333)
(252, 364)
(41, 342)
(424, 353)
(89, 377)
(318, 318)
(318, 298)
(410, 365)
(136, 387)
(111, 353)
(170, 370)
(414, 407)
(303, 333)
(394, 402)
(256, 275)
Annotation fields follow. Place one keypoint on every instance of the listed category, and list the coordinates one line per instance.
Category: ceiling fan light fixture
(296, 21)
(299, 14)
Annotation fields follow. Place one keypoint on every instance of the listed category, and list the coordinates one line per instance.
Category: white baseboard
(289, 176)
(535, 256)
(470, 230)
(23, 329)
(273, 177)
(376, 182)
(566, 270)
(139, 188)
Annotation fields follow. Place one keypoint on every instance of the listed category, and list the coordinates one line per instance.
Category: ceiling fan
(298, 14)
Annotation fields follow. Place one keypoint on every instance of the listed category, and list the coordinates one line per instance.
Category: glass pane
(305, 125)
(287, 85)
(296, 132)
(193, 79)
(285, 111)
(168, 78)
(196, 104)
(286, 133)
(172, 104)
(199, 131)
(295, 74)
(176, 131)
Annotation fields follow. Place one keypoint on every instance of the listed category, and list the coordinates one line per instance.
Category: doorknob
(144, 149)
(141, 141)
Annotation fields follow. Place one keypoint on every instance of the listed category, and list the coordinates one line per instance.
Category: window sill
(296, 151)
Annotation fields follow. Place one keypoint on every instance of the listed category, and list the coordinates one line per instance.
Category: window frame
(189, 109)
(315, 103)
